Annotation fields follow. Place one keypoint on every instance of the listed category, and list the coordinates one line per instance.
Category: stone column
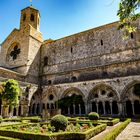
(17, 110)
(97, 107)
(1, 110)
(41, 105)
(124, 108)
(86, 108)
(133, 108)
(79, 110)
(68, 110)
(90, 107)
(110, 107)
(21, 110)
(74, 109)
(11, 111)
(104, 108)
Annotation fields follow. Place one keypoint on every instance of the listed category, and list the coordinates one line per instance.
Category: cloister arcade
(102, 98)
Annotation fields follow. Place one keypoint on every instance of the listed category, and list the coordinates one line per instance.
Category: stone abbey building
(97, 64)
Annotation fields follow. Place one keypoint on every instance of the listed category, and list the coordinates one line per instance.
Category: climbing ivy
(69, 100)
(10, 92)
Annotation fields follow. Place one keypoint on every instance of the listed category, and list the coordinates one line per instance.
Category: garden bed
(39, 132)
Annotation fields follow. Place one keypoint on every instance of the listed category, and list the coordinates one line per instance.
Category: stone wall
(96, 53)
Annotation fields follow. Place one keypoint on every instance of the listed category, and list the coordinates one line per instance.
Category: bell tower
(31, 16)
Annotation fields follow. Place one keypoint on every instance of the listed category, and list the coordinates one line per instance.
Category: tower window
(132, 35)
(24, 17)
(71, 50)
(45, 61)
(101, 42)
(32, 17)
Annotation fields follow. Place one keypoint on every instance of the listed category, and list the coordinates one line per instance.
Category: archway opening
(33, 109)
(72, 104)
(129, 110)
(14, 111)
(100, 107)
(107, 108)
(137, 107)
(38, 109)
(94, 108)
(114, 107)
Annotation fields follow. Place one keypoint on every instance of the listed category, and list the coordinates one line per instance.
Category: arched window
(45, 61)
(101, 42)
(32, 17)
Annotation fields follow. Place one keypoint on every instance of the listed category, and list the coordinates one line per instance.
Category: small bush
(60, 122)
(93, 116)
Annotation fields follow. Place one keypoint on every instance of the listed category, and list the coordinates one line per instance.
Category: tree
(127, 14)
(10, 92)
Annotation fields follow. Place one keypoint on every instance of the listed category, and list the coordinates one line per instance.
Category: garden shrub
(93, 116)
(60, 122)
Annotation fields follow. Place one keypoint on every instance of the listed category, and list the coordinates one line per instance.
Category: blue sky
(59, 18)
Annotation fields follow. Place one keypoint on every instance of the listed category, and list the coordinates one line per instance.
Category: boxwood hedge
(56, 136)
(117, 130)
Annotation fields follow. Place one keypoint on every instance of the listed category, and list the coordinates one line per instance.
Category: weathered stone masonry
(97, 64)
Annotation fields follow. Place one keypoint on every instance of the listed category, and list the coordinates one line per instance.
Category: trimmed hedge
(110, 122)
(57, 136)
(117, 130)
(7, 138)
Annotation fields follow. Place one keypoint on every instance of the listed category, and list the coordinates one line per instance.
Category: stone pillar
(41, 105)
(21, 110)
(120, 108)
(110, 108)
(133, 108)
(11, 111)
(86, 108)
(104, 108)
(79, 110)
(74, 109)
(124, 109)
(90, 107)
(97, 107)
(17, 110)
(68, 110)
(1, 110)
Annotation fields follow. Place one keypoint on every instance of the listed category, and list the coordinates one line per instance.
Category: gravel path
(131, 132)
(101, 135)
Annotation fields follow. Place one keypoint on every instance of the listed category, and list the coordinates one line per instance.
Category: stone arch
(130, 100)
(101, 99)
(102, 86)
(71, 91)
(127, 87)
(75, 107)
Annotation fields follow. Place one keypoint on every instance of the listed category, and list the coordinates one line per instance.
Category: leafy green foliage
(69, 100)
(60, 122)
(11, 92)
(127, 14)
(93, 116)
